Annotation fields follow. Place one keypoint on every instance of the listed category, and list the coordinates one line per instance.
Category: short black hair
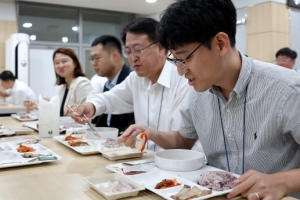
(7, 76)
(287, 52)
(189, 21)
(109, 43)
(141, 25)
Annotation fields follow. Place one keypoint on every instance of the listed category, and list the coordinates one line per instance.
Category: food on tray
(70, 137)
(32, 155)
(141, 141)
(21, 113)
(23, 148)
(116, 186)
(25, 117)
(133, 172)
(217, 180)
(112, 143)
(188, 193)
(166, 183)
(73, 125)
(77, 143)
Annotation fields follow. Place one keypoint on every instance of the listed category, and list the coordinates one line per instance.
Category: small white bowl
(105, 132)
(180, 160)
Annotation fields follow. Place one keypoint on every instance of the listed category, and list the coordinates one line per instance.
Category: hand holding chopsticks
(86, 120)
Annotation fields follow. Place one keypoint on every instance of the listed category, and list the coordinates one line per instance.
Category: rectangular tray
(10, 157)
(96, 181)
(95, 147)
(33, 125)
(31, 118)
(5, 131)
(154, 175)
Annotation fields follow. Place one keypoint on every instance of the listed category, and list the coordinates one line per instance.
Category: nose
(280, 63)
(132, 58)
(58, 65)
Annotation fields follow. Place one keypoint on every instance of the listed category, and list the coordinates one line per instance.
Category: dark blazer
(117, 121)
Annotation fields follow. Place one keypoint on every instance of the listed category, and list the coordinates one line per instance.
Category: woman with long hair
(75, 86)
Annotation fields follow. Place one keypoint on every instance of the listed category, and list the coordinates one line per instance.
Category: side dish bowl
(179, 160)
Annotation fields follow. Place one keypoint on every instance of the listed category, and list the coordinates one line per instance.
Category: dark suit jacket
(117, 121)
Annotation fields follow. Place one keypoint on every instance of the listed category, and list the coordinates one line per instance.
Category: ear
(161, 49)
(223, 43)
(114, 55)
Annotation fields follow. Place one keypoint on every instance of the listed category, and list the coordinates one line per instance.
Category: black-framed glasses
(181, 63)
(94, 59)
(136, 52)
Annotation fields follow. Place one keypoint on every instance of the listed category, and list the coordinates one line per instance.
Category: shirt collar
(164, 78)
(15, 84)
(111, 84)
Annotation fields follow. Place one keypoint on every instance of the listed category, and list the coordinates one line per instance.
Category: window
(48, 22)
(100, 22)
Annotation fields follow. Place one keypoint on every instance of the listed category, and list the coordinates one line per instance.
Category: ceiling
(131, 6)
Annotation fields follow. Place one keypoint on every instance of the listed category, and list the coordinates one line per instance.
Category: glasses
(95, 59)
(181, 63)
(135, 52)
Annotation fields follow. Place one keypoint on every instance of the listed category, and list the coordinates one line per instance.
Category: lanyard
(244, 130)
(162, 97)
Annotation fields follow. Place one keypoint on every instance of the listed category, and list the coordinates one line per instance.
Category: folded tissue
(48, 117)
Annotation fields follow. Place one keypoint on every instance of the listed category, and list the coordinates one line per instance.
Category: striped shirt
(272, 120)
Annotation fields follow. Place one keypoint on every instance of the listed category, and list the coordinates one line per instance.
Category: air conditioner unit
(17, 56)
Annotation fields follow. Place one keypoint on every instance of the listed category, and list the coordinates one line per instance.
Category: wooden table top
(63, 179)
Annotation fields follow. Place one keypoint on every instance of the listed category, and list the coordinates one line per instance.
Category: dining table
(63, 179)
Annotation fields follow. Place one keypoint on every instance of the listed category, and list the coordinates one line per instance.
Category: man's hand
(131, 132)
(266, 186)
(30, 104)
(87, 108)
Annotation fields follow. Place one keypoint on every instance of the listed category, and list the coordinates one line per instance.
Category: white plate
(93, 147)
(6, 131)
(22, 130)
(150, 180)
(7, 156)
(31, 118)
(148, 167)
(155, 175)
(33, 125)
(120, 153)
(10, 157)
(98, 181)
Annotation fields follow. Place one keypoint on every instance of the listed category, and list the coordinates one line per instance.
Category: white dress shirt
(19, 93)
(98, 83)
(79, 89)
(137, 94)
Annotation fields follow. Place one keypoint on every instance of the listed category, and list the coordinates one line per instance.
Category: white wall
(241, 34)
(295, 33)
(8, 11)
(41, 73)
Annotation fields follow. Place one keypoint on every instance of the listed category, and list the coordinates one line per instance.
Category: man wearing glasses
(106, 58)
(246, 113)
(154, 91)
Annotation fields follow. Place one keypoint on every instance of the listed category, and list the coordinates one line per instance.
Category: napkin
(48, 117)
